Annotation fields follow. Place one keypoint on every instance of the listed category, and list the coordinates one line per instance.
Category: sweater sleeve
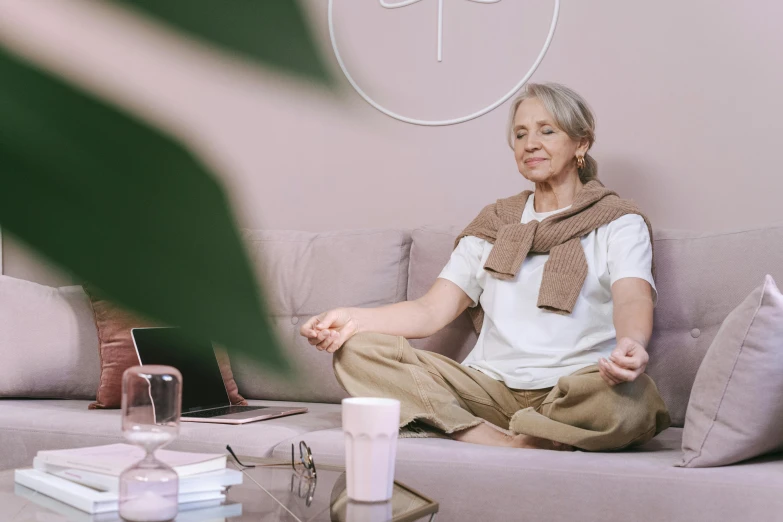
(630, 250)
(463, 266)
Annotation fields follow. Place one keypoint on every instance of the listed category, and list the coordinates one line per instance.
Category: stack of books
(89, 478)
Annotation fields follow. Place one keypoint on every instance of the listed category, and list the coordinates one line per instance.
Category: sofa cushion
(431, 248)
(48, 343)
(701, 278)
(306, 273)
(27, 426)
(736, 407)
(475, 482)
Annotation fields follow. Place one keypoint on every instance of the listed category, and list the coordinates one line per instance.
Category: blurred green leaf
(126, 208)
(274, 32)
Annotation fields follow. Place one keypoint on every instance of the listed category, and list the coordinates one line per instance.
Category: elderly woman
(559, 284)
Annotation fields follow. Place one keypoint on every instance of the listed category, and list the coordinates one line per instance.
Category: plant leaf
(274, 32)
(125, 207)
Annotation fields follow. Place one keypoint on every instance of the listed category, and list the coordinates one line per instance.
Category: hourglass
(151, 404)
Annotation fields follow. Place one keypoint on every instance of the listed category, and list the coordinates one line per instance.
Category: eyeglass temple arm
(237, 459)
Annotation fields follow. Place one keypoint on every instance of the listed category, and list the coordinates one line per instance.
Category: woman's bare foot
(490, 435)
(529, 441)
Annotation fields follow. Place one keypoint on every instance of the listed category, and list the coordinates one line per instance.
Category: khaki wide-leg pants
(581, 410)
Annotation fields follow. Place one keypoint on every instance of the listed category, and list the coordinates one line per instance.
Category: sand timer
(151, 405)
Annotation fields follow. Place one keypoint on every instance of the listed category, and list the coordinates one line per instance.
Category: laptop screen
(202, 383)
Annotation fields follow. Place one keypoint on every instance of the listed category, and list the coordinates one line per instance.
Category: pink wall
(687, 97)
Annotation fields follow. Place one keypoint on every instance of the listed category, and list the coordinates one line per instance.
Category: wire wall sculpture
(403, 3)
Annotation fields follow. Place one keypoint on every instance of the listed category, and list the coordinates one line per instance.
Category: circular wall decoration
(452, 121)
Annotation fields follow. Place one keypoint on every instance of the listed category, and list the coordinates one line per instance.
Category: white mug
(366, 512)
(371, 426)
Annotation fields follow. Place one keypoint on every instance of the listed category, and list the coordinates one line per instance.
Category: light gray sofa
(700, 279)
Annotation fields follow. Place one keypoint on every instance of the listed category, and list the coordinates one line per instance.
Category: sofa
(701, 277)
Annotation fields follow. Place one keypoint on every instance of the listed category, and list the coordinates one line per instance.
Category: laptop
(204, 395)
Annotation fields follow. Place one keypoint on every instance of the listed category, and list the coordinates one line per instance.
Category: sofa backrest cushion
(304, 274)
(48, 341)
(701, 277)
(431, 248)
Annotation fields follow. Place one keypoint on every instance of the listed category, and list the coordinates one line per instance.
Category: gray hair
(571, 114)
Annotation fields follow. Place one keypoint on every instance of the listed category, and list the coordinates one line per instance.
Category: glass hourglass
(151, 405)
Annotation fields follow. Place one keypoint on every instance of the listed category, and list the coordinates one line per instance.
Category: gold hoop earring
(580, 162)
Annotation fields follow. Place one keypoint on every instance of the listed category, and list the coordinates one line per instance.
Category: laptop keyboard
(226, 410)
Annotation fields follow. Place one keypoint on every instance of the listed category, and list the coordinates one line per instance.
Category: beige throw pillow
(48, 344)
(735, 411)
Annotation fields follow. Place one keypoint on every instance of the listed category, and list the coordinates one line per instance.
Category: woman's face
(542, 150)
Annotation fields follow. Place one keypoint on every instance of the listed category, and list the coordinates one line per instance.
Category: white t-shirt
(530, 348)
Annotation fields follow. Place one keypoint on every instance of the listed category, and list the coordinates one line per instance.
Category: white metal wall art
(403, 3)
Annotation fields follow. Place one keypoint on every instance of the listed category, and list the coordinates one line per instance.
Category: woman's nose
(532, 144)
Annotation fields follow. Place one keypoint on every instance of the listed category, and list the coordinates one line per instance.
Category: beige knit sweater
(559, 235)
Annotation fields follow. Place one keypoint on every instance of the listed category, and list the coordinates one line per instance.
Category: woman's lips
(534, 161)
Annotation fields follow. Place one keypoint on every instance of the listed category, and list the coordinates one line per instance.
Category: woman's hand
(626, 362)
(329, 330)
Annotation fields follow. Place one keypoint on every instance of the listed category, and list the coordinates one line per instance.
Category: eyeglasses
(306, 460)
(303, 481)
(303, 486)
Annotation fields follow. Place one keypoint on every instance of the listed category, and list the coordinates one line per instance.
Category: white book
(113, 459)
(88, 499)
(209, 481)
(205, 511)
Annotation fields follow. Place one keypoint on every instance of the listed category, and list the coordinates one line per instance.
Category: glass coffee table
(271, 491)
